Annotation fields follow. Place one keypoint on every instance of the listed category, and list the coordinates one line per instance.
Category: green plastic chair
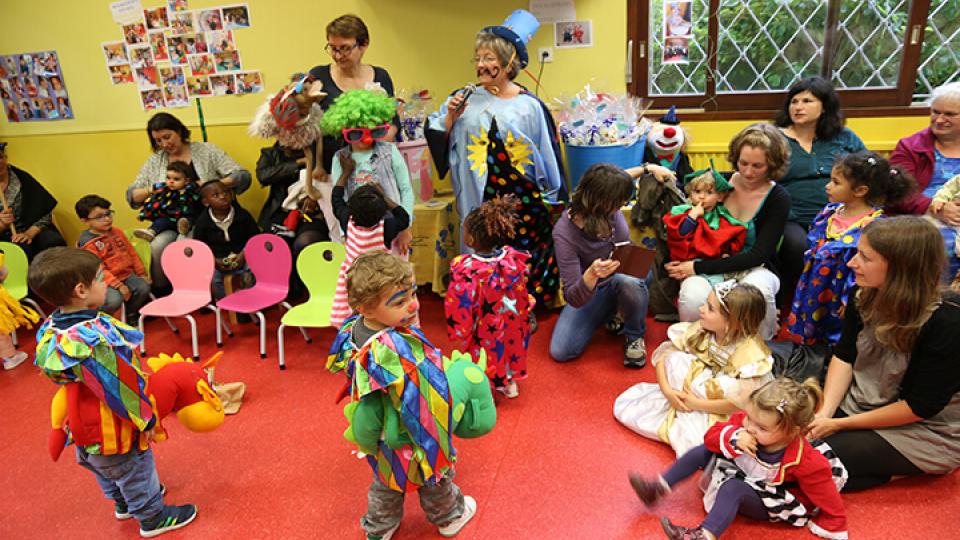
(16, 262)
(142, 247)
(318, 267)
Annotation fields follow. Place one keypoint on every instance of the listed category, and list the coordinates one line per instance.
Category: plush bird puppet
(177, 385)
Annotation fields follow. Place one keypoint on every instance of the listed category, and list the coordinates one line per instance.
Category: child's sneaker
(635, 353)
(15, 360)
(145, 234)
(385, 536)
(676, 532)
(120, 510)
(169, 519)
(183, 226)
(649, 491)
(453, 528)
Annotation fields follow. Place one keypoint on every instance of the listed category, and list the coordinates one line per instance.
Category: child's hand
(347, 163)
(403, 241)
(309, 206)
(697, 211)
(146, 278)
(125, 291)
(747, 443)
(676, 401)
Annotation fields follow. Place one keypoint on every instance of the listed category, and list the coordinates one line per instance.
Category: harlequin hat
(518, 29)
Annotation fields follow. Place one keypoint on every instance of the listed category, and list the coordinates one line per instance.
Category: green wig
(358, 109)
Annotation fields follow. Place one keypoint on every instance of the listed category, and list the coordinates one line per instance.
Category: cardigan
(916, 155)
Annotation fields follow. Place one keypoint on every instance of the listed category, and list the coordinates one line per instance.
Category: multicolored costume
(106, 399)
(488, 307)
(717, 234)
(824, 286)
(407, 402)
(697, 364)
(172, 204)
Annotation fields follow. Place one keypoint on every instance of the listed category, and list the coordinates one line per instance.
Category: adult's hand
(823, 426)
(950, 213)
(452, 113)
(7, 217)
(680, 270)
(661, 173)
(22, 238)
(404, 240)
(599, 269)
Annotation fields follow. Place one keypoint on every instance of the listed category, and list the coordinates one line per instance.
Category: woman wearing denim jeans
(584, 239)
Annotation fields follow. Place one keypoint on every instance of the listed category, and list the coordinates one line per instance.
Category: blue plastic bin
(580, 158)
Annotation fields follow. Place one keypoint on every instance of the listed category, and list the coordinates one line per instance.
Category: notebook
(634, 260)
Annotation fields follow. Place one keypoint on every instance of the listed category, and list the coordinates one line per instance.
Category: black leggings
(792, 248)
(870, 460)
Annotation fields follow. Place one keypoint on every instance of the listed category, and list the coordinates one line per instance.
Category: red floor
(555, 466)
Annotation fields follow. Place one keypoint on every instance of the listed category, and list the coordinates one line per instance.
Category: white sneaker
(15, 360)
(635, 353)
(385, 536)
(453, 528)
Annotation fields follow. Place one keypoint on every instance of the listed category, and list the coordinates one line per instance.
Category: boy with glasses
(123, 270)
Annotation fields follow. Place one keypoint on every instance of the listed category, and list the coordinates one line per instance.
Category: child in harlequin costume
(109, 413)
(12, 316)
(704, 371)
(173, 205)
(704, 229)
(860, 185)
(362, 118)
(760, 464)
(487, 303)
(407, 402)
(372, 222)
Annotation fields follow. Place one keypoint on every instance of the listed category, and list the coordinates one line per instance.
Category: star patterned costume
(824, 286)
(488, 307)
(172, 204)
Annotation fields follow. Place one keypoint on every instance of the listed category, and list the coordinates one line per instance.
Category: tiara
(722, 289)
(781, 405)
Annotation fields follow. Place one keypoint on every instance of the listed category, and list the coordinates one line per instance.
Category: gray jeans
(130, 478)
(441, 502)
(139, 294)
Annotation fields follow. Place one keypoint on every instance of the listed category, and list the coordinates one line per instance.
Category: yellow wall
(423, 43)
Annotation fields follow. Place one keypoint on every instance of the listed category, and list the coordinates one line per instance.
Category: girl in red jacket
(760, 464)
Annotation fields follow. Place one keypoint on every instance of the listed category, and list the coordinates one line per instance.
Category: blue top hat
(518, 29)
(671, 117)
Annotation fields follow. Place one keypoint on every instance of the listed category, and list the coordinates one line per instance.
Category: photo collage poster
(32, 88)
(677, 31)
(173, 54)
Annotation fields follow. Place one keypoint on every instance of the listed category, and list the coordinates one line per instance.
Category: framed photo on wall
(571, 34)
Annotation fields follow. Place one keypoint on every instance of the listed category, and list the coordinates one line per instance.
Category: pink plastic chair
(268, 257)
(188, 264)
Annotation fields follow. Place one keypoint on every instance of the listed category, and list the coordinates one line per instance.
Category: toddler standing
(487, 304)
(860, 185)
(704, 372)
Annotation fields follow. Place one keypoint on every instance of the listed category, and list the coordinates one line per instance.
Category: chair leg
(263, 334)
(280, 346)
(143, 343)
(303, 330)
(36, 307)
(193, 336)
(216, 313)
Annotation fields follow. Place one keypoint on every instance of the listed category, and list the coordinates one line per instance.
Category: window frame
(887, 101)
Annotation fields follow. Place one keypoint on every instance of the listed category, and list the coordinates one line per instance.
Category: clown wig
(358, 109)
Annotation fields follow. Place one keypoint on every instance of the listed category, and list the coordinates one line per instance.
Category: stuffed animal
(177, 385)
(12, 314)
(292, 116)
(666, 145)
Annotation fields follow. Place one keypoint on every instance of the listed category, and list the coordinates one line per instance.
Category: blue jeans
(139, 294)
(129, 478)
(217, 287)
(575, 327)
(163, 224)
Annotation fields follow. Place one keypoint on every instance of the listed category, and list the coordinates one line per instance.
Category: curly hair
(493, 223)
(358, 108)
(372, 274)
(886, 184)
(367, 206)
(767, 138)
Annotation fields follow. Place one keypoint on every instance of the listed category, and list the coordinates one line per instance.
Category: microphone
(467, 91)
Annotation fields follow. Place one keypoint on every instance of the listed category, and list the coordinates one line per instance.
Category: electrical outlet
(545, 54)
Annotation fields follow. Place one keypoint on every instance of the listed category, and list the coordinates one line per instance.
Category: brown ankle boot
(676, 532)
(649, 491)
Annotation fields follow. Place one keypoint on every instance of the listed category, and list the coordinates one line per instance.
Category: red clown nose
(367, 139)
(669, 132)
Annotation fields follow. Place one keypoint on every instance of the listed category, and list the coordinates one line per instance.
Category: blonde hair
(769, 139)
(372, 274)
(795, 403)
(704, 180)
(505, 51)
(744, 307)
(915, 256)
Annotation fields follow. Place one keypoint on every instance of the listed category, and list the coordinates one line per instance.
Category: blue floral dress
(826, 281)
(944, 169)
